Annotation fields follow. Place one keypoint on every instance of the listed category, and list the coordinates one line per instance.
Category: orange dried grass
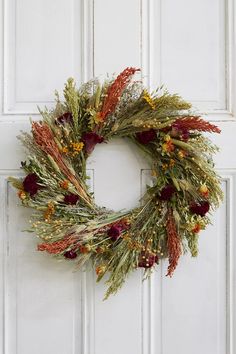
(173, 243)
(195, 123)
(43, 136)
(114, 92)
(57, 247)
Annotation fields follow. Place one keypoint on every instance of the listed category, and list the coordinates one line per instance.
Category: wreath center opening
(118, 174)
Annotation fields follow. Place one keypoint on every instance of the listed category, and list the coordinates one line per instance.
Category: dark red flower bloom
(200, 208)
(146, 136)
(185, 135)
(166, 129)
(179, 131)
(167, 192)
(65, 118)
(30, 184)
(90, 140)
(70, 254)
(71, 199)
(174, 132)
(147, 260)
(114, 232)
(123, 224)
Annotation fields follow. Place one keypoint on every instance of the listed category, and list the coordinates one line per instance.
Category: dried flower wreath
(174, 208)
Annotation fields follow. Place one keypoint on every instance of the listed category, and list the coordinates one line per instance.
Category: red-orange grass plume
(195, 123)
(115, 90)
(43, 136)
(173, 243)
(57, 247)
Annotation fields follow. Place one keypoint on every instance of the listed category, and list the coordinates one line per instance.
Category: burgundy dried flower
(146, 136)
(114, 232)
(185, 135)
(65, 118)
(123, 224)
(166, 129)
(30, 184)
(70, 254)
(200, 208)
(167, 192)
(179, 132)
(174, 132)
(90, 140)
(147, 260)
(71, 199)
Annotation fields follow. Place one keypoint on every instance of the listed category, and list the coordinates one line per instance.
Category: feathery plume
(115, 90)
(43, 136)
(195, 123)
(57, 247)
(173, 243)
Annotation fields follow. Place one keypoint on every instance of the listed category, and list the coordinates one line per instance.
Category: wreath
(184, 186)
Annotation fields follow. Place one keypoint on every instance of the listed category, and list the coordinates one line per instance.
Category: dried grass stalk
(173, 243)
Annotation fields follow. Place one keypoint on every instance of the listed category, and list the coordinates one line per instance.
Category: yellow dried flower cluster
(73, 149)
(64, 184)
(49, 211)
(168, 146)
(182, 154)
(77, 147)
(147, 97)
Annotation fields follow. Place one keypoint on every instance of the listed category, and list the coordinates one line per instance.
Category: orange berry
(22, 195)
(204, 191)
(197, 228)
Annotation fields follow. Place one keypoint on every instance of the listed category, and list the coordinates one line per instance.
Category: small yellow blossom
(73, 149)
(85, 248)
(182, 154)
(167, 138)
(65, 150)
(77, 147)
(154, 173)
(49, 211)
(197, 228)
(172, 163)
(100, 250)
(22, 195)
(100, 270)
(204, 191)
(164, 166)
(126, 236)
(64, 184)
(168, 146)
(98, 118)
(148, 99)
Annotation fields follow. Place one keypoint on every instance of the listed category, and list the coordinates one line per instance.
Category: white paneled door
(45, 306)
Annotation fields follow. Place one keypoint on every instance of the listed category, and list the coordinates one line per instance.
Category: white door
(46, 307)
